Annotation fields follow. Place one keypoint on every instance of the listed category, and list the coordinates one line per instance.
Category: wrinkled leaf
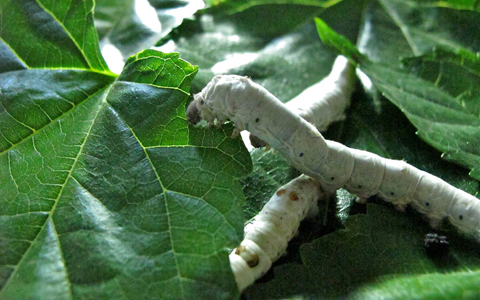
(446, 114)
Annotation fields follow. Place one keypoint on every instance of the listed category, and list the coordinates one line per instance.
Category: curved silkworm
(324, 102)
(268, 233)
(251, 107)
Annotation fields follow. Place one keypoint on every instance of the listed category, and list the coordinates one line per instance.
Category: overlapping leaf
(445, 112)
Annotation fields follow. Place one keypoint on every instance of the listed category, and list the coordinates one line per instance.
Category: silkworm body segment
(267, 235)
(325, 102)
(251, 107)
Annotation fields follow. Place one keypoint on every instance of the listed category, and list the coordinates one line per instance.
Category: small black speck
(332, 178)
(301, 154)
(460, 217)
(257, 120)
(392, 193)
(436, 246)
(202, 102)
(360, 186)
(427, 204)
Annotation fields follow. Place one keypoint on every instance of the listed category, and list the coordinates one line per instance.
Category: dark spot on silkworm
(301, 154)
(257, 120)
(281, 192)
(460, 217)
(257, 142)
(427, 204)
(202, 102)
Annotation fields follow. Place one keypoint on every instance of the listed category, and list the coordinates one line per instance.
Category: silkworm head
(193, 115)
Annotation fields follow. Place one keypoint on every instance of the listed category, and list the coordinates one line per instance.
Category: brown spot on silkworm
(240, 249)
(281, 192)
(250, 258)
(293, 196)
(253, 261)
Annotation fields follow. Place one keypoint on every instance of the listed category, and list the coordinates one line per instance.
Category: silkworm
(251, 107)
(268, 233)
(324, 102)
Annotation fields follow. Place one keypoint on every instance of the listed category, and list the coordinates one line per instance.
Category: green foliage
(106, 192)
(438, 91)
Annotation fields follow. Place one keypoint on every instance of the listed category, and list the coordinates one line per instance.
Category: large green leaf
(106, 192)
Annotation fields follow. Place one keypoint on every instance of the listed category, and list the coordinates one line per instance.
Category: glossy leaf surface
(105, 190)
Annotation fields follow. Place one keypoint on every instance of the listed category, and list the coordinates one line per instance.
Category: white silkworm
(251, 107)
(268, 233)
(324, 102)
